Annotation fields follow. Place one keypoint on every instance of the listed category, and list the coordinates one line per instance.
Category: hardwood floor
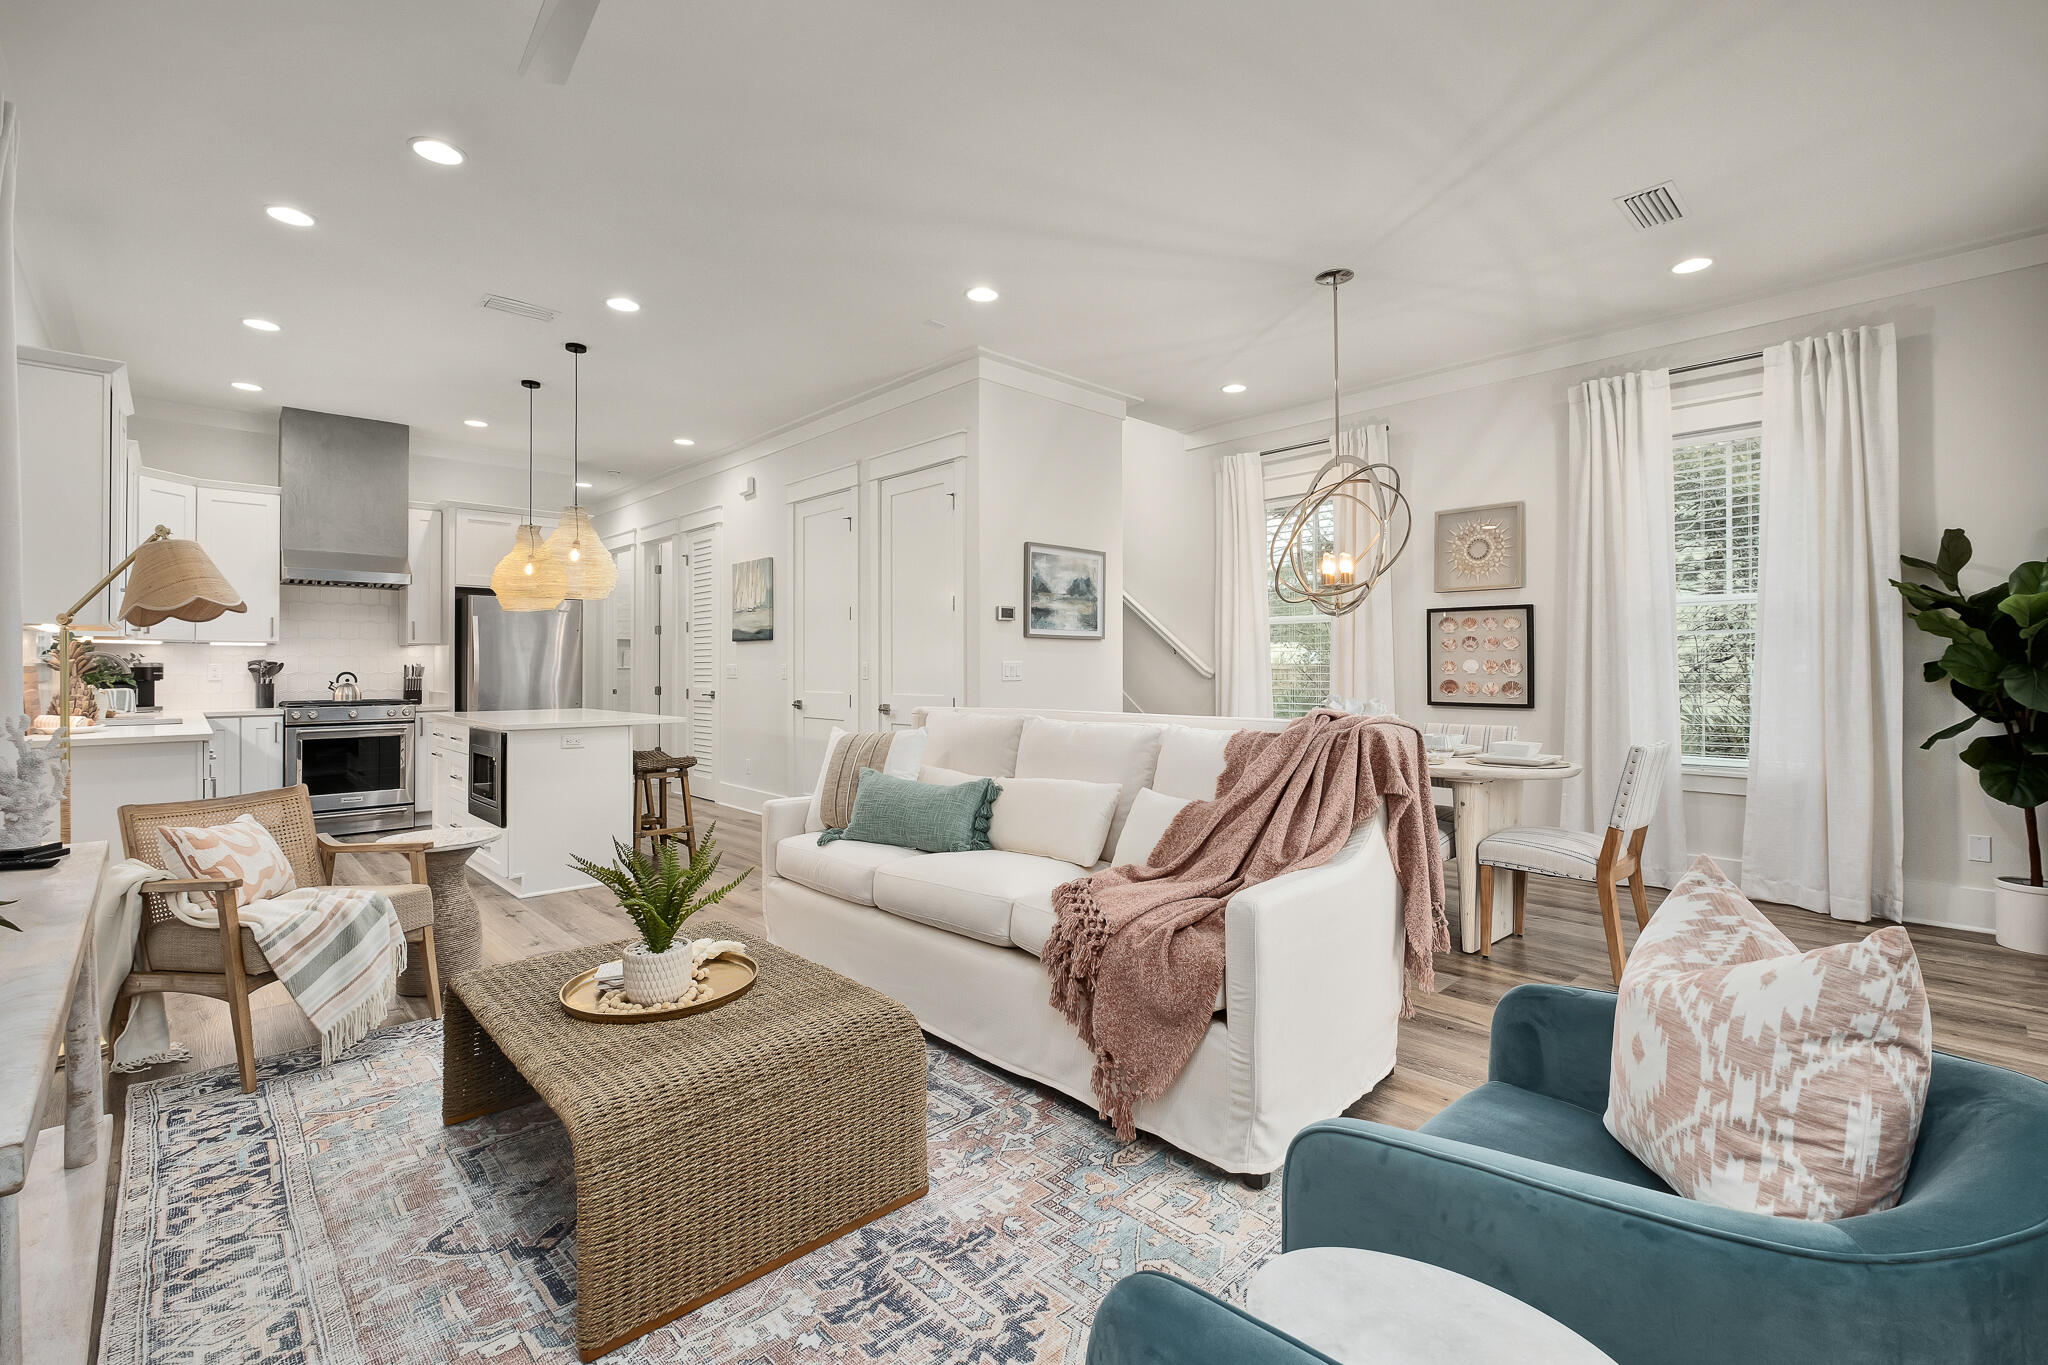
(1988, 1003)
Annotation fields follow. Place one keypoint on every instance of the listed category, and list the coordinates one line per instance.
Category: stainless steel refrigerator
(516, 660)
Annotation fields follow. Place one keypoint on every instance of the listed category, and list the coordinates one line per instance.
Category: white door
(170, 503)
(239, 533)
(615, 632)
(659, 683)
(700, 657)
(919, 636)
(825, 650)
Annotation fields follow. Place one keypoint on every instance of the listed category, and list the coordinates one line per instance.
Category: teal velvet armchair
(1519, 1184)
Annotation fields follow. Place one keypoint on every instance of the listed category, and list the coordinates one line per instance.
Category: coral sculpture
(31, 785)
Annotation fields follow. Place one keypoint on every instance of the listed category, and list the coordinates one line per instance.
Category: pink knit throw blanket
(1136, 952)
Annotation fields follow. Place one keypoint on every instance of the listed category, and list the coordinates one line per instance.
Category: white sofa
(1312, 980)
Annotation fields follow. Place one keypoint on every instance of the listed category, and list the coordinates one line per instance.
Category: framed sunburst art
(1479, 549)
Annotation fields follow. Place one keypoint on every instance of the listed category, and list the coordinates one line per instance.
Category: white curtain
(1824, 822)
(1244, 658)
(1620, 609)
(1362, 641)
(10, 433)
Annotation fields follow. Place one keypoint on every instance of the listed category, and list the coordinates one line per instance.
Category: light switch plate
(732, 671)
(1013, 670)
(1980, 848)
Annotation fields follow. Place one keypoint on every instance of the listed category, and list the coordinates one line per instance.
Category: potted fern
(1996, 665)
(659, 893)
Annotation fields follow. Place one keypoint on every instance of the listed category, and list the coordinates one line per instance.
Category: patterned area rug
(330, 1219)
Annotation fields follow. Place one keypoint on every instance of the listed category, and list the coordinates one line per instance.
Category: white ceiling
(792, 189)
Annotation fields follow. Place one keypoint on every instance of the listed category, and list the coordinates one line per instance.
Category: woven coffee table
(711, 1149)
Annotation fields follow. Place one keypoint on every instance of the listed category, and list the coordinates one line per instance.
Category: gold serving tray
(732, 976)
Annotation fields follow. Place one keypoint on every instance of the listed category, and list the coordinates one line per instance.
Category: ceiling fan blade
(557, 38)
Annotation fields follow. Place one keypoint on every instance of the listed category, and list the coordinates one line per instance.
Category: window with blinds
(1298, 633)
(1714, 526)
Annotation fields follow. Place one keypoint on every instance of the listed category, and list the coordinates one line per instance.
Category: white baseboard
(745, 798)
(1950, 906)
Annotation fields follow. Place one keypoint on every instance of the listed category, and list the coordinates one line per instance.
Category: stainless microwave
(487, 753)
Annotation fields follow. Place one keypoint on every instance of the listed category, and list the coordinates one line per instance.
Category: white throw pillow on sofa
(973, 742)
(1190, 761)
(1092, 751)
(1053, 817)
(1150, 814)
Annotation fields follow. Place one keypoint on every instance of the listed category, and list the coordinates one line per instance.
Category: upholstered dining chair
(172, 955)
(1606, 859)
(1481, 735)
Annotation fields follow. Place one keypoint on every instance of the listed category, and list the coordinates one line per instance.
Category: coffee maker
(147, 676)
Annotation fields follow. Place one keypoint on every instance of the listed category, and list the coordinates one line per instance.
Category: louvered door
(700, 657)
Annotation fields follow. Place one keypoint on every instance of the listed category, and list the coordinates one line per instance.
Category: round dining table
(1486, 797)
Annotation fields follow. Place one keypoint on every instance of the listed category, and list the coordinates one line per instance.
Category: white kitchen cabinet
(73, 420)
(426, 599)
(174, 504)
(423, 762)
(238, 528)
(262, 743)
(224, 757)
(483, 538)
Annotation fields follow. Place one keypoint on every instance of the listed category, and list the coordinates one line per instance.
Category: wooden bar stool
(652, 770)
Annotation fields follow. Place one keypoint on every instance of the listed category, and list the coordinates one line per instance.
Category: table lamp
(167, 579)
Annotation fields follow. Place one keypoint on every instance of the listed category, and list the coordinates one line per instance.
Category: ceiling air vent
(1653, 207)
(519, 308)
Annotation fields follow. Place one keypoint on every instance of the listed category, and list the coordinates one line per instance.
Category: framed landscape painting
(1482, 656)
(1063, 592)
(753, 600)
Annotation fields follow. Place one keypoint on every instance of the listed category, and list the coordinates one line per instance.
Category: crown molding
(1692, 330)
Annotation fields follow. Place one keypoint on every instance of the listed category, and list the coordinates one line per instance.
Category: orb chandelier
(1357, 502)
(587, 565)
(529, 577)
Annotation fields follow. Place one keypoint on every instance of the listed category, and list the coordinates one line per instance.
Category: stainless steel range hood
(346, 482)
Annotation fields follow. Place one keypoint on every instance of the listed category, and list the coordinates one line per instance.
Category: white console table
(48, 997)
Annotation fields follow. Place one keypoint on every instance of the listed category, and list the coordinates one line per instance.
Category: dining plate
(1538, 761)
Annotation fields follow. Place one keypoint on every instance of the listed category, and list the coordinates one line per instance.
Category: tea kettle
(344, 688)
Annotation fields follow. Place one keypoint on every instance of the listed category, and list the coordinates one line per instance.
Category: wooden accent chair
(172, 955)
(1604, 860)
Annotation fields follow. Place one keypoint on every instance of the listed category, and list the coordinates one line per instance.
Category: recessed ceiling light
(981, 293)
(1692, 265)
(583, 483)
(291, 217)
(246, 387)
(1233, 388)
(621, 304)
(261, 325)
(474, 422)
(684, 441)
(435, 150)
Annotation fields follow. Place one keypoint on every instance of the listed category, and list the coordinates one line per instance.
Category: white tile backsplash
(322, 632)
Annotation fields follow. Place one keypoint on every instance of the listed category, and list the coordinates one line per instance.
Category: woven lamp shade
(529, 578)
(592, 574)
(175, 580)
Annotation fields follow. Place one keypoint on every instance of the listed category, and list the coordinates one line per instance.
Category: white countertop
(572, 719)
(245, 711)
(183, 729)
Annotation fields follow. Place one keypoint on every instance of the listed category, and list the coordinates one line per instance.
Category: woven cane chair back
(286, 812)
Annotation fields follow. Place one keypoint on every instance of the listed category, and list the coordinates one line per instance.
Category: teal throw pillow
(894, 810)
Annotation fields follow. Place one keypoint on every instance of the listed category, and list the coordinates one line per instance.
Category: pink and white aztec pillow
(241, 848)
(1754, 1076)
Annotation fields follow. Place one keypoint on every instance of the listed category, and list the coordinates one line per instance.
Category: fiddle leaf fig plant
(1996, 665)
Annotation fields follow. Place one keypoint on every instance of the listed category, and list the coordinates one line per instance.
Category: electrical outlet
(732, 671)
(571, 740)
(1980, 848)
(1013, 670)
(747, 765)
(213, 672)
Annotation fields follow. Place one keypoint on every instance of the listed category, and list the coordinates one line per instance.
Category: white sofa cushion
(1190, 761)
(1151, 813)
(1092, 751)
(845, 869)
(968, 893)
(976, 743)
(1049, 816)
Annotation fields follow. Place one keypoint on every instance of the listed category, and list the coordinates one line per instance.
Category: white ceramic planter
(657, 978)
(2022, 916)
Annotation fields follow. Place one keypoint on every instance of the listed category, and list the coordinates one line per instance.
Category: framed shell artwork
(1482, 656)
(1480, 549)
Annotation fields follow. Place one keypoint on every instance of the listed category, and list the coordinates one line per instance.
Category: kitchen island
(559, 783)
(130, 765)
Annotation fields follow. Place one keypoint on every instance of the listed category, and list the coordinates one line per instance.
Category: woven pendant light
(591, 572)
(529, 577)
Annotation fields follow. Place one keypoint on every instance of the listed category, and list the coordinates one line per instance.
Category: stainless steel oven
(487, 749)
(355, 759)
